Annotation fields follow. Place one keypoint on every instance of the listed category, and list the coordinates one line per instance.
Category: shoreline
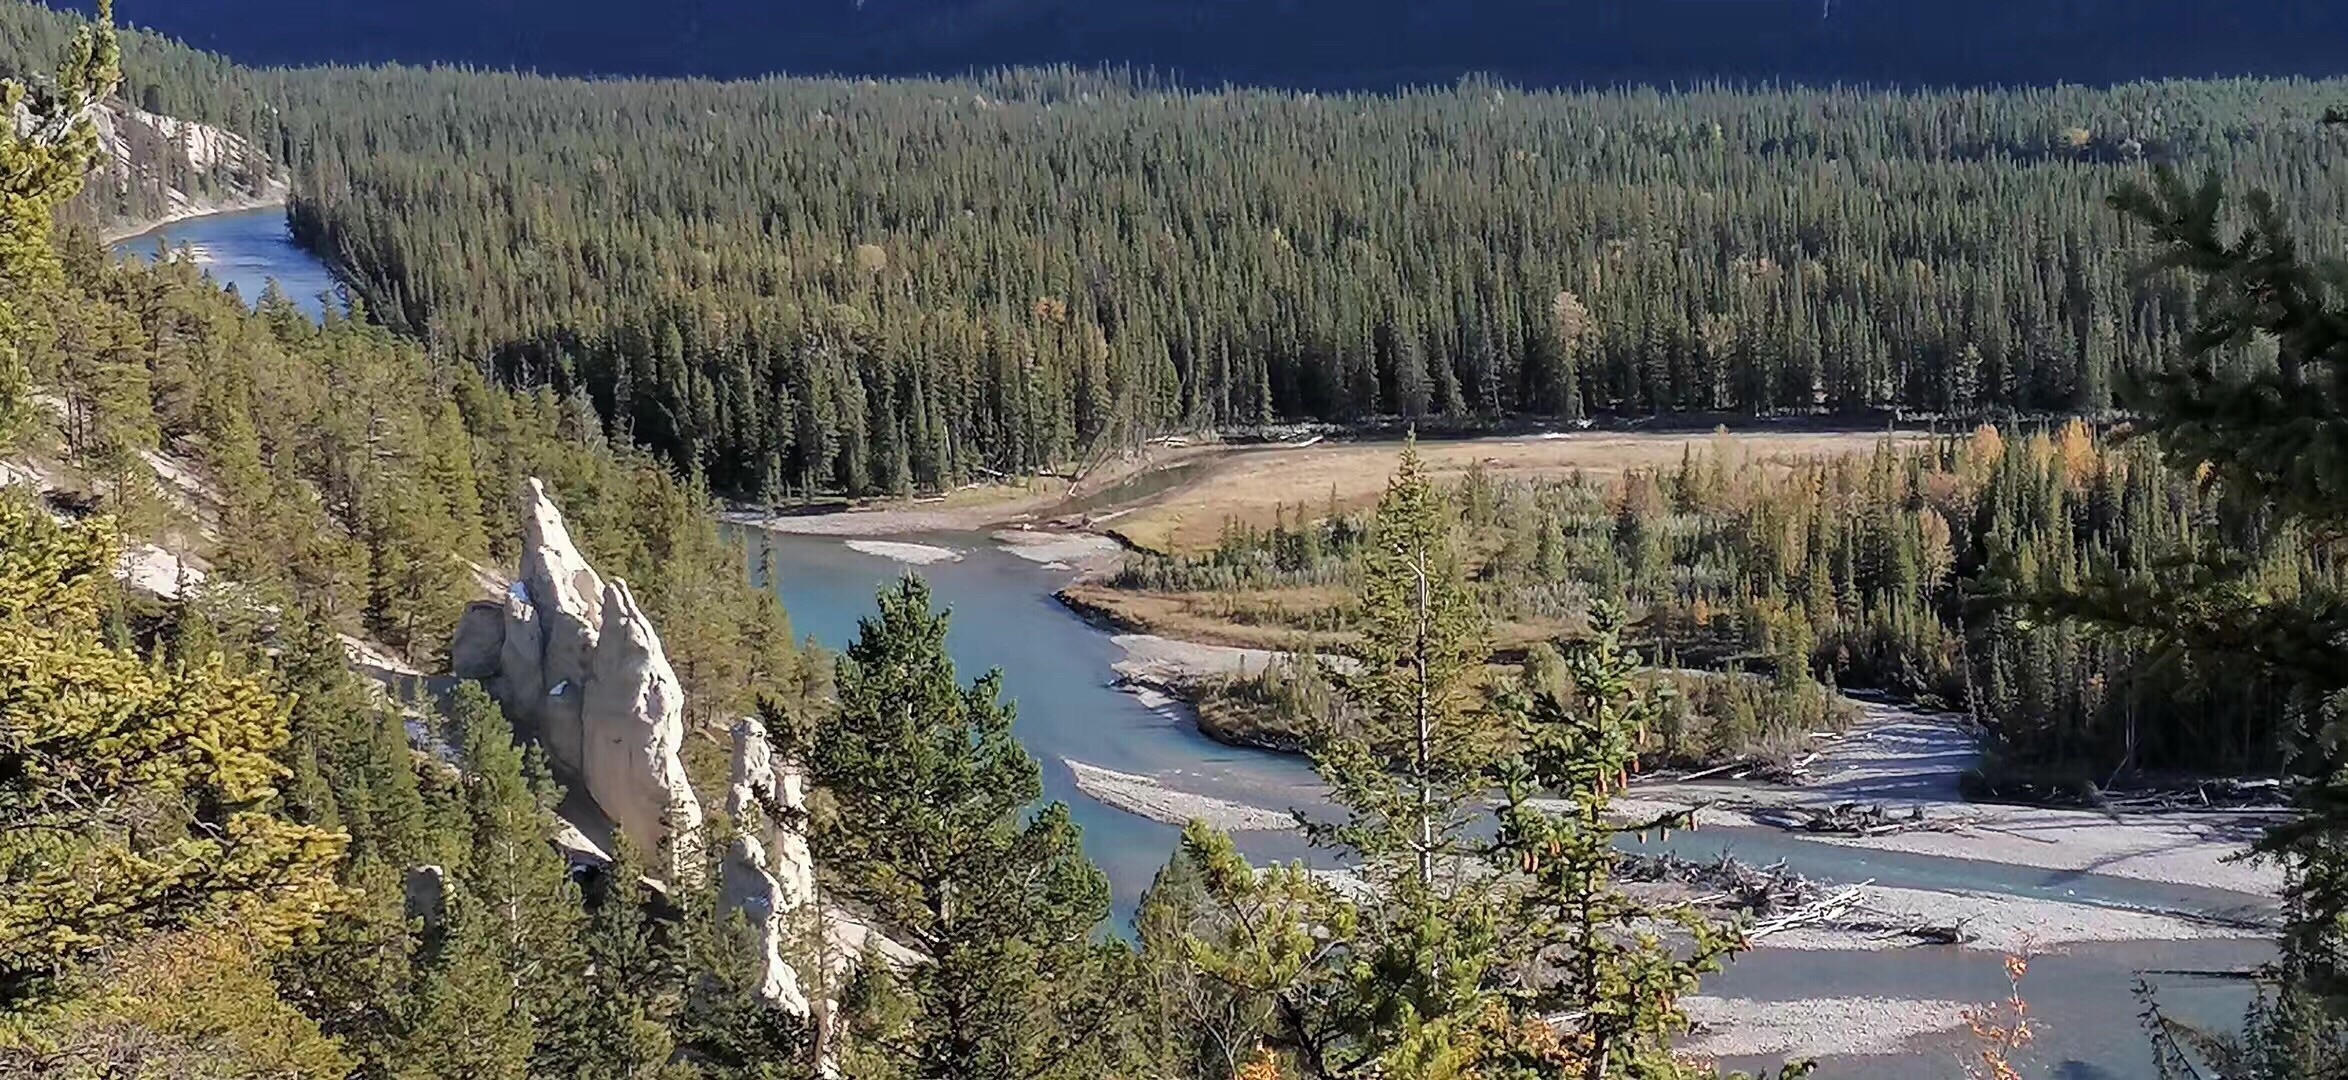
(126, 234)
(1149, 797)
(1895, 757)
(1905, 913)
(908, 554)
(1899, 758)
(976, 508)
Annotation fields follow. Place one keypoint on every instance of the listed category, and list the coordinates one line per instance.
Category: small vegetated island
(381, 694)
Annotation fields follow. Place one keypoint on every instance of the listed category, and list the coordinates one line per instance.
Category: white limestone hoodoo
(577, 666)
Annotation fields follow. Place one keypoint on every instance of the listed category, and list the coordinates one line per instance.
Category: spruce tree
(620, 1027)
(1602, 999)
(517, 910)
(938, 836)
(2274, 438)
(1392, 977)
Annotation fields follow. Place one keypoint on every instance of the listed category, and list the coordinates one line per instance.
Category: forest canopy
(825, 285)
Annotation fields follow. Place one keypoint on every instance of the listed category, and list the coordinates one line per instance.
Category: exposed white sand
(1902, 759)
(2186, 848)
(156, 572)
(1147, 797)
(910, 554)
(1069, 550)
(1165, 661)
(1734, 1027)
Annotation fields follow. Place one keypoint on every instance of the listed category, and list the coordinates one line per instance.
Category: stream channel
(1057, 669)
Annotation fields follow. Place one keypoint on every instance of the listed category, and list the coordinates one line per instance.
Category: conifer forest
(1995, 537)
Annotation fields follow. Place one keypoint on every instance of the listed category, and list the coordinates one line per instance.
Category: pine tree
(2275, 438)
(1605, 998)
(1000, 899)
(1412, 756)
(91, 736)
(620, 1027)
(465, 1020)
(517, 910)
(1398, 980)
(45, 151)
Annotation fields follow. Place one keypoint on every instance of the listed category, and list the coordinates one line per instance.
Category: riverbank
(1058, 503)
(1127, 756)
(1906, 761)
(274, 198)
(1910, 764)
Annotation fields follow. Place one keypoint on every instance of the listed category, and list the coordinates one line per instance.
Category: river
(1057, 671)
(245, 250)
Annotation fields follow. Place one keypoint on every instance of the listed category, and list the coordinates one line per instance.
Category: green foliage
(362, 484)
(45, 150)
(1610, 980)
(2257, 408)
(178, 1006)
(999, 897)
(134, 793)
(633, 995)
(1410, 761)
(1398, 981)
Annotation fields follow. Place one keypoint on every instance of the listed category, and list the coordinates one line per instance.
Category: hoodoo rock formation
(577, 666)
(768, 874)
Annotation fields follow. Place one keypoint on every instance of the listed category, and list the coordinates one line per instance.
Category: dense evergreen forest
(808, 285)
(211, 829)
(1308, 44)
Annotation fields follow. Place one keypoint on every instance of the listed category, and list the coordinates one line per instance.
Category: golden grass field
(1250, 486)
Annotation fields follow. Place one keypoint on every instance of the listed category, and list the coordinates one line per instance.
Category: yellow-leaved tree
(44, 155)
(135, 801)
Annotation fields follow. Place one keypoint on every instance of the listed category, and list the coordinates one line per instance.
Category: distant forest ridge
(809, 286)
(1324, 44)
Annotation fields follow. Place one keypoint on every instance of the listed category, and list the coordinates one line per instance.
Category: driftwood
(1778, 899)
(1730, 883)
(1829, 910)
(1866, 819)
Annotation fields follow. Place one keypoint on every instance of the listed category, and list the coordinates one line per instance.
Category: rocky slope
(156, 169)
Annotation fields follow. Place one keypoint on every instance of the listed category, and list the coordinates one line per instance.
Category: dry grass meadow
(1251, 486)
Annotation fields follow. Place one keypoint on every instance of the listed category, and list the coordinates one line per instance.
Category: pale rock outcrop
(767, 874)
(763, 786)
(577, 666)
(556, 601)
(632, 724)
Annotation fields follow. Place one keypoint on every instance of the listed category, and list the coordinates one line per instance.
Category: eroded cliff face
(576, 665)
(153, 169)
